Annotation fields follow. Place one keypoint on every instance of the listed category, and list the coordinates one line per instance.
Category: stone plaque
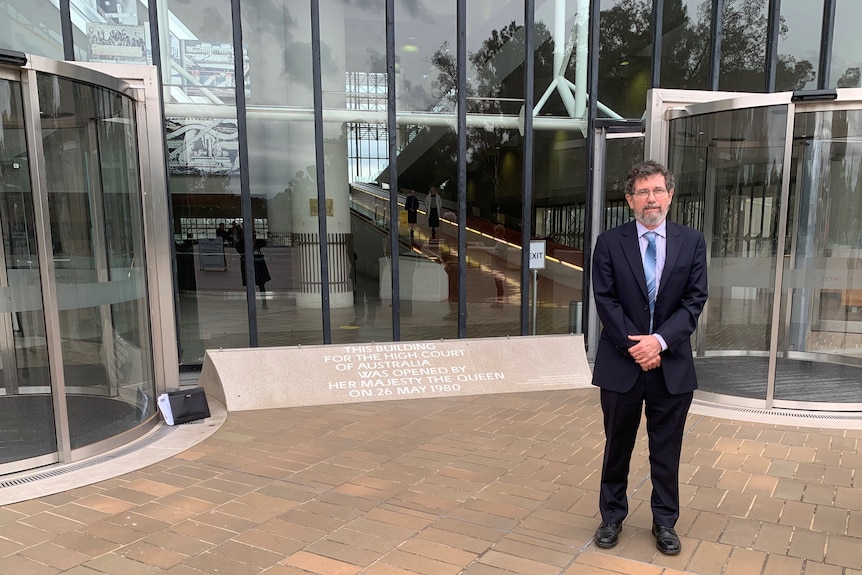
(261, 378)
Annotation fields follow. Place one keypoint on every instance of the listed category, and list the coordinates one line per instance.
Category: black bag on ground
(189, 405)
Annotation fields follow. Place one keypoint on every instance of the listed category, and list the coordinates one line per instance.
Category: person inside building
(499, 256)
(223, 233)
(433, 207)
(411, 204)
(261, 270)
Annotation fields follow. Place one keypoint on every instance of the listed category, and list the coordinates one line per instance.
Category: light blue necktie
(649, 272)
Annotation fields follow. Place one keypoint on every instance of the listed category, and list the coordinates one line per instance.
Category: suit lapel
(631, 248)
(673, 245)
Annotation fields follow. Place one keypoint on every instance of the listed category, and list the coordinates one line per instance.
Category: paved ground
(483, 485)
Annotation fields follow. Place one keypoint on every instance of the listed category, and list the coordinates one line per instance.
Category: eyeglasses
(657, 192)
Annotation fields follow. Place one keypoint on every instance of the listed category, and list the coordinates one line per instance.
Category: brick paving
(483, 485)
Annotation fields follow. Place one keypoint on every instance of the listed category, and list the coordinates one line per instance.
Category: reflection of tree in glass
(743, 50)
(495, 85)
(496, 70)
(624, 56)
(625, 45)
(850, 78)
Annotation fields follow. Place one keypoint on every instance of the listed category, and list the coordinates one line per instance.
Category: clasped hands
(646, 351)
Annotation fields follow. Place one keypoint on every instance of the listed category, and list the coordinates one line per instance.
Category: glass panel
(495, 152)
(111, 31)
(742, 66)
(560, 209)
(798, 45)
(283, 177)
(625, 51)
(128, 354)
(199, 45)
(559, 166)
(685, 44)
(427, 153)
(823, 273)
(26, 405)
(88, 136)
(846, 56)
(620, 156)
(736, 159)
(31, 26)
(356, 169)
(203, 163)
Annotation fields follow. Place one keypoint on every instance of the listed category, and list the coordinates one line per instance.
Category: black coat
(623, 307)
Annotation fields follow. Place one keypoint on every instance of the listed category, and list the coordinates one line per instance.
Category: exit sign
(537, 254)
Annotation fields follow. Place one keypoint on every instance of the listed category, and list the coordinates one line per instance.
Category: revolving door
(77, 367)
(777, 183)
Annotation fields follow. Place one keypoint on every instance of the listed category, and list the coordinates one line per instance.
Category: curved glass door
(732, 161)
(77, 366)
(26, 401)
(780, 183)
(94, 202)
(821, 324)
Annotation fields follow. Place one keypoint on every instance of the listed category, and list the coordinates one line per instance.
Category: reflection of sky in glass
(803, 19)
(846, 53)
(802, 40)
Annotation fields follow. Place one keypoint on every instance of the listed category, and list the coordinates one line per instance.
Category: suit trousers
(665, 423)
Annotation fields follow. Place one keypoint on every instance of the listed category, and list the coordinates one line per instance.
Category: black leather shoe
(666, 540)
(608, 534)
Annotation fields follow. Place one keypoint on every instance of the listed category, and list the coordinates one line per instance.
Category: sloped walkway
(482, 485)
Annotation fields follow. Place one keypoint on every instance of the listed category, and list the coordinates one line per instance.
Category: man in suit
(644, 355)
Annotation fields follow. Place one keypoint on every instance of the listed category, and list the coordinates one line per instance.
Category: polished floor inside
(797, 380)
(214, 314)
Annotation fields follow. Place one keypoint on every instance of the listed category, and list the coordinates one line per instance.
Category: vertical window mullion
(527, 184)
(320, 171)
(67, 31)
(772, 29)
(245, 188)
(461, 55)
(657, 32)
(392, 132)
(715, 44)
(826, 37)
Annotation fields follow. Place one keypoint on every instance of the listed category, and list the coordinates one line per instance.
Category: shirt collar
(661, 230)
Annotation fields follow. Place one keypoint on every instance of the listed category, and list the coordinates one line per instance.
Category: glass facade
(685, 45)
(283, 187)
(294, 154)
(32, 27)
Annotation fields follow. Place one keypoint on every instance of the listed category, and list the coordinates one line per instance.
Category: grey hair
(645, 170)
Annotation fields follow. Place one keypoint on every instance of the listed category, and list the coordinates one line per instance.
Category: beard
(651, 218)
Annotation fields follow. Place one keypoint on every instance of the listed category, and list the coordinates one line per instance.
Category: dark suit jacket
(621, 300)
